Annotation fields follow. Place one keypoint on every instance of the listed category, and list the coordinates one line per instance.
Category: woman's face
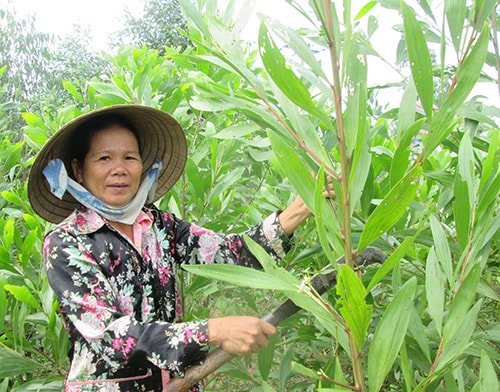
(112, 168)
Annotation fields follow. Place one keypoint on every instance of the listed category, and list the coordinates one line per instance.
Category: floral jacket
(119, 299)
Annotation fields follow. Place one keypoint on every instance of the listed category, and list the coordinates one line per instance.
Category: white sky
(103, 17)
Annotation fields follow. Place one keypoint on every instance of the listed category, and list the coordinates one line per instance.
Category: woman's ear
(77, 171)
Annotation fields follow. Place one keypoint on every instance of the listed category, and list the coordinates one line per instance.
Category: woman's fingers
(240, 335)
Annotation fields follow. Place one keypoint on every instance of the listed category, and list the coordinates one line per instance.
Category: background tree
(156, 28)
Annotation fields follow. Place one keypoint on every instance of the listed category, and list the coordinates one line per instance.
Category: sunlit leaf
(455, 11)
(435, 289)
(23, 294)
(482, 10)
(283, 75)
(8, 232)
(442, 249)
(420, 60)
(464, 190)
(241, 276)
(353, 307)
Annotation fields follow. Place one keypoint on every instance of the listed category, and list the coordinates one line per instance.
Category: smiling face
(112, 167)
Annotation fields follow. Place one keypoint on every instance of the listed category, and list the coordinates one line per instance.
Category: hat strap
(60, 182)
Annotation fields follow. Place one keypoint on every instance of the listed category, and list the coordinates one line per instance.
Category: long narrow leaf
(354, 309)
(461, 303)
(390, 210)
(293, 167)
(14, 364)
(442, 249)
(393, 259)
(434, 288)
(454, 347)
(389, 335)
(467, 76)
(455, 16)
(283, 76)
(488, 379)
(464, 190)
(420, 59)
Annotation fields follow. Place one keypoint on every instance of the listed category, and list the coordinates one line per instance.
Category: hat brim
(160, 136)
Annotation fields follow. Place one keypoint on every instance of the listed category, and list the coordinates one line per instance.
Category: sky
(104, 17)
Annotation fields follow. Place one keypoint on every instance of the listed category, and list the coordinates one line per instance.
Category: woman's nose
(119, 167)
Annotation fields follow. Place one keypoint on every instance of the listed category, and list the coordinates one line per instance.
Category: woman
(113, 256)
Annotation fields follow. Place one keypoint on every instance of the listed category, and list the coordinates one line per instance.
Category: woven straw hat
(159, 134)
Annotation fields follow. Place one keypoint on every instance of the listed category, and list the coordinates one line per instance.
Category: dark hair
(82, 135)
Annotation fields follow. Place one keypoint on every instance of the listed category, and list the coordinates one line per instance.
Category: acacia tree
(422, 185)
(157, 27)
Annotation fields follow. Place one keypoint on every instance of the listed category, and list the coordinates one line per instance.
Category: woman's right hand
(239, 335)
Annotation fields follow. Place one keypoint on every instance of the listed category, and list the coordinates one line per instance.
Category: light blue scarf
(60, 182)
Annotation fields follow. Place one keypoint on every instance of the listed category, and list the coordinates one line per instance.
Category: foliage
(434, 204)
(37, 63)
(417, 177)
(157, 27)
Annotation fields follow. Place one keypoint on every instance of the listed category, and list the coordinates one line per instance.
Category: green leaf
(327, 223)
(23, 294)
(3, 307)
(461, 303)
(455, 11)
(293, 167)
(420, 59)
(391, 261)
(467, 75)
(353, 308)
(355, 123)
(435, 289)
(192, 12)
(462, 214)
(483, 9)
(8, 233)
(72, 90)
(304, 370)
(489, 186)
(488, 379)
(400, 161)
(301, 48)
(464, 190)
(389, 335)
(265, 358)
(14, 364)
(442, 249)
(392, 207)
(240, 276)
(283, 76)
(367, 7)
(457, 344)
